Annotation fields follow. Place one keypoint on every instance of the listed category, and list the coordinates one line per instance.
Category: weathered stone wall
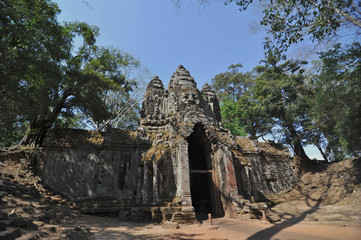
(262, 169)
(180, 157)
(85, 164)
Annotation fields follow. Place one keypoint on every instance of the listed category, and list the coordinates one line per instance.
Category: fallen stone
(3, 226)
(273, 217)
(75, 236)
(3, 215)
(10, 234)
(311, 217)
(28, 210)
(52, 229)
(78, 233)
(29, 236)
(21, 222)
(213, 228)
(47, 217)
(170, 225)
(13, 213)
(124, 215)
(39, 223)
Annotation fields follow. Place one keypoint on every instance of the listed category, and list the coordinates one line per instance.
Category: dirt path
(223, 228)
(324, 205)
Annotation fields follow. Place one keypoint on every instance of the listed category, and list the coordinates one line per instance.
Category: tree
(26, 53)
(274, 100)
(239, 115)
(44, 78)
(325, 111)
(281, 89)
(337, 106)
(289, 22)
(232, 84)
(124, 103)
(230, 113)
(130, 102)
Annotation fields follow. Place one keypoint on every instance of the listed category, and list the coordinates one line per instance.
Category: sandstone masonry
(181, 161)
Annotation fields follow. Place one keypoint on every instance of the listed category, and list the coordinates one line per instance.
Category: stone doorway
(203, 179)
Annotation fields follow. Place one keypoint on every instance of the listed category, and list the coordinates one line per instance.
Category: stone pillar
(228, 181)
(139, 184)
(248, 183)
(230, 173)
(146, 193)
(155, 183)
(183, 183)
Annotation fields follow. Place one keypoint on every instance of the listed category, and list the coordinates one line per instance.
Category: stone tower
(181, 161)
(183, 125)
(190, 144)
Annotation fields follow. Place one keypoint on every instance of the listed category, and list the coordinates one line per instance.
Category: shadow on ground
(334, 179)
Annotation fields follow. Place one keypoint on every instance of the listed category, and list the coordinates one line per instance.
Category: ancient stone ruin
(181, 161)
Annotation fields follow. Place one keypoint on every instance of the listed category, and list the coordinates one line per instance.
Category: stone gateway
(180, 162)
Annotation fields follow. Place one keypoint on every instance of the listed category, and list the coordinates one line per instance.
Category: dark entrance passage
(204, 192)
(200, 192)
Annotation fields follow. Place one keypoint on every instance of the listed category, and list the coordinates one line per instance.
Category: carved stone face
(189, 98)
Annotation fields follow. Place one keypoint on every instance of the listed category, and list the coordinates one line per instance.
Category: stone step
(262, 206)
(99, 206)
(140, 217)
(138, 212)
(10, 234)
(189, 217)
(99, 210)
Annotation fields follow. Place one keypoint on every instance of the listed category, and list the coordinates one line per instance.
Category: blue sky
(204, 39)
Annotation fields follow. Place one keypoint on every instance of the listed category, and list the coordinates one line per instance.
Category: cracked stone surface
(180, 161)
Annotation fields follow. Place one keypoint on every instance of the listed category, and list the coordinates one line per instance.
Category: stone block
(10, 234)
(184, 217)
(170, 225)
(3, 215)
(213, 228)
(3, 226)
(180, 131)
(273, 217)
(124, 215)
(20, 222)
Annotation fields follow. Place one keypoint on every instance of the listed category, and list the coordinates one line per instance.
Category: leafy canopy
(46, 81)
(288, 22)
(270, 100)
(337, 106)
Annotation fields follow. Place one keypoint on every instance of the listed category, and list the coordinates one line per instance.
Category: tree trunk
(36, 134)
(297, 145)
(322, 152)
(40, 127)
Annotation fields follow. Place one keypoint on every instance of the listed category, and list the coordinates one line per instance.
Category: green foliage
(233, 83)
(31, 46)
(123, 100)
(281, 88)
(337, 106)
(45, 80)
(272, 98)
(231, 86)
(230, 112)
(322, 107)
(289, 22)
